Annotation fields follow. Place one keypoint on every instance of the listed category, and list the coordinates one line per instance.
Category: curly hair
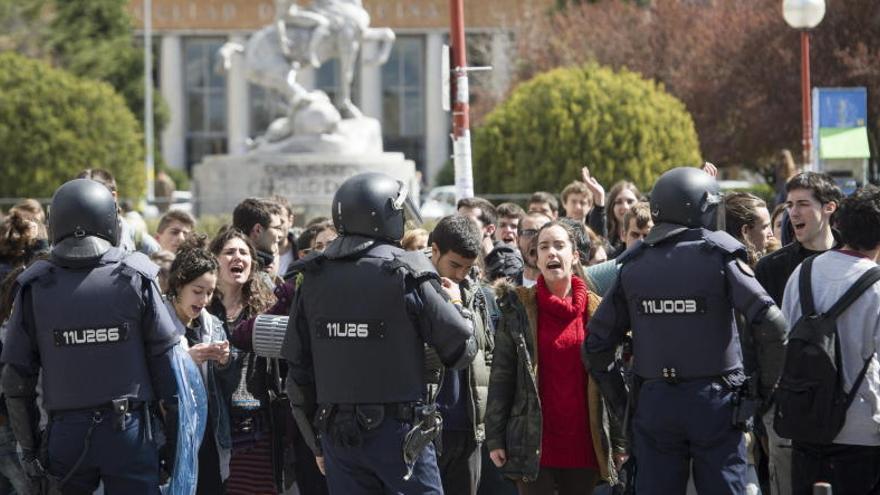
(410, 237)
(192, 261)
(858, 219)
(255, 295)
(19, 233)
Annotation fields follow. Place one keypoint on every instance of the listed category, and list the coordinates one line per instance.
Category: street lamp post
(149, 160)
(805, 15)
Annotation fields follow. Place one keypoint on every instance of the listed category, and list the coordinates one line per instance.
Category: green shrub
(180, 177)
(53, 124)
(618, 124)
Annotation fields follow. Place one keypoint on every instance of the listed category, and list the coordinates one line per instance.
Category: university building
(216, 113)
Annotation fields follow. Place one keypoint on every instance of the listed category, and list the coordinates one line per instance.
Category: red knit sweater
(566, 441)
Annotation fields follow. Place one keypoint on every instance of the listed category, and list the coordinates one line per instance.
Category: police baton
(822, 488)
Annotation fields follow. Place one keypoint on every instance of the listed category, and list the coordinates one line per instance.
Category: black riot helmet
(83, 222)
(686, 196)
(370, 204)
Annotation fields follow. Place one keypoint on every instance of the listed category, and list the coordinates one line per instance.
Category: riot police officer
(363, 313)
(677, 291)
(92, 318)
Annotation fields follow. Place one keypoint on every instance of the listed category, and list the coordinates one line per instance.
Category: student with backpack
(811, 201)
(828, 399)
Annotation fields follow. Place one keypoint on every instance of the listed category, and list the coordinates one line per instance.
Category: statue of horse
(308, 37)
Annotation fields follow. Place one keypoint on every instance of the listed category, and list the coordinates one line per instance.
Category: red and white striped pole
(461, 134)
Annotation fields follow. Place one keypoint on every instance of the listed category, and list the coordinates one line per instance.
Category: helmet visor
(411, 212)
(713, 211)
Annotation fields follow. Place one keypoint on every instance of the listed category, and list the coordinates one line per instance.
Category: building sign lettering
(235, 15)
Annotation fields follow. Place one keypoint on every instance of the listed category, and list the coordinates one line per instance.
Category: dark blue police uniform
(96, 333)
(677, 292)
(363, 314)
(96, 326)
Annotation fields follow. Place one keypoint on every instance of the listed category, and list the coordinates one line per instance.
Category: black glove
(168, 452)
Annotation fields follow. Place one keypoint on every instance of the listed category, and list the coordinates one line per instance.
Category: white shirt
(858, 330)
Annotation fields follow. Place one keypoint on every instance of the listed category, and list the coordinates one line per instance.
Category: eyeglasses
(529, 233)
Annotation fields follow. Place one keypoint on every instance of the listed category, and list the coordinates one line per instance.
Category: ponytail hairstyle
(741, 210)
(578, 240)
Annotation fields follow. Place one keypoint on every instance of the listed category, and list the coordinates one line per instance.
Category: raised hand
(593, 185)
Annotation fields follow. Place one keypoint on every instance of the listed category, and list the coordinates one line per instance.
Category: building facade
(214, 112)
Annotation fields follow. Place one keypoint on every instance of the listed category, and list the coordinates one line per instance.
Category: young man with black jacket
(851, 461)
(811, 200)
(455, 248)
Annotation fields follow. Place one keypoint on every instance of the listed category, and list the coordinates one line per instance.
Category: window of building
(403, 99)
(265, 107)
(205, 96)
(479, 54)
(328, 77)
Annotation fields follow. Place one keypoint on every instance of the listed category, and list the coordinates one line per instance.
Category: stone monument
(306, 154)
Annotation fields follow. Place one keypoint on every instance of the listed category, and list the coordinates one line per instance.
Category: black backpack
(811, 403)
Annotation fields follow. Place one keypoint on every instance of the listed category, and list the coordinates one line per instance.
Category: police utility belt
(114, 411)
(673, 377)
(746, 402)
(344, 424)
(366, 416)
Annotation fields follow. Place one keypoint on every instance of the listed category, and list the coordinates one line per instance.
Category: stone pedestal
(307, 180)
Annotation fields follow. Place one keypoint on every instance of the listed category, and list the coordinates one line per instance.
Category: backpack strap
(862, 284)
(858, 383)
(806, 288)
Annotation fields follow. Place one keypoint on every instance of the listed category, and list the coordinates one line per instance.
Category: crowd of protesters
(557, 254)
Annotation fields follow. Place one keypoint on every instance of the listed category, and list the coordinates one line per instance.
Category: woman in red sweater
(544, 421)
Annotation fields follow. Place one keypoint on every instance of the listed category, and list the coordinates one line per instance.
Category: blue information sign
(840, 107)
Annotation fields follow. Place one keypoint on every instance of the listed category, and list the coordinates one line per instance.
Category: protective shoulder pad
(415, 263)
(631, 253)
(38, 269)
(310, 263)
(725, 242)
(141, 264)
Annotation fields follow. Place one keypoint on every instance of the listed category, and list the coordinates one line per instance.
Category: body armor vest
(365, 347)
(682, 318)
(88, 330)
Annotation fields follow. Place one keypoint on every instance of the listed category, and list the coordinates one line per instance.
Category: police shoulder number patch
(110, 334)
(672, 306)
(350, 329)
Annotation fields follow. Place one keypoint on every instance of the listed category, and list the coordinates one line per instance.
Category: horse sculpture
(308, 37)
